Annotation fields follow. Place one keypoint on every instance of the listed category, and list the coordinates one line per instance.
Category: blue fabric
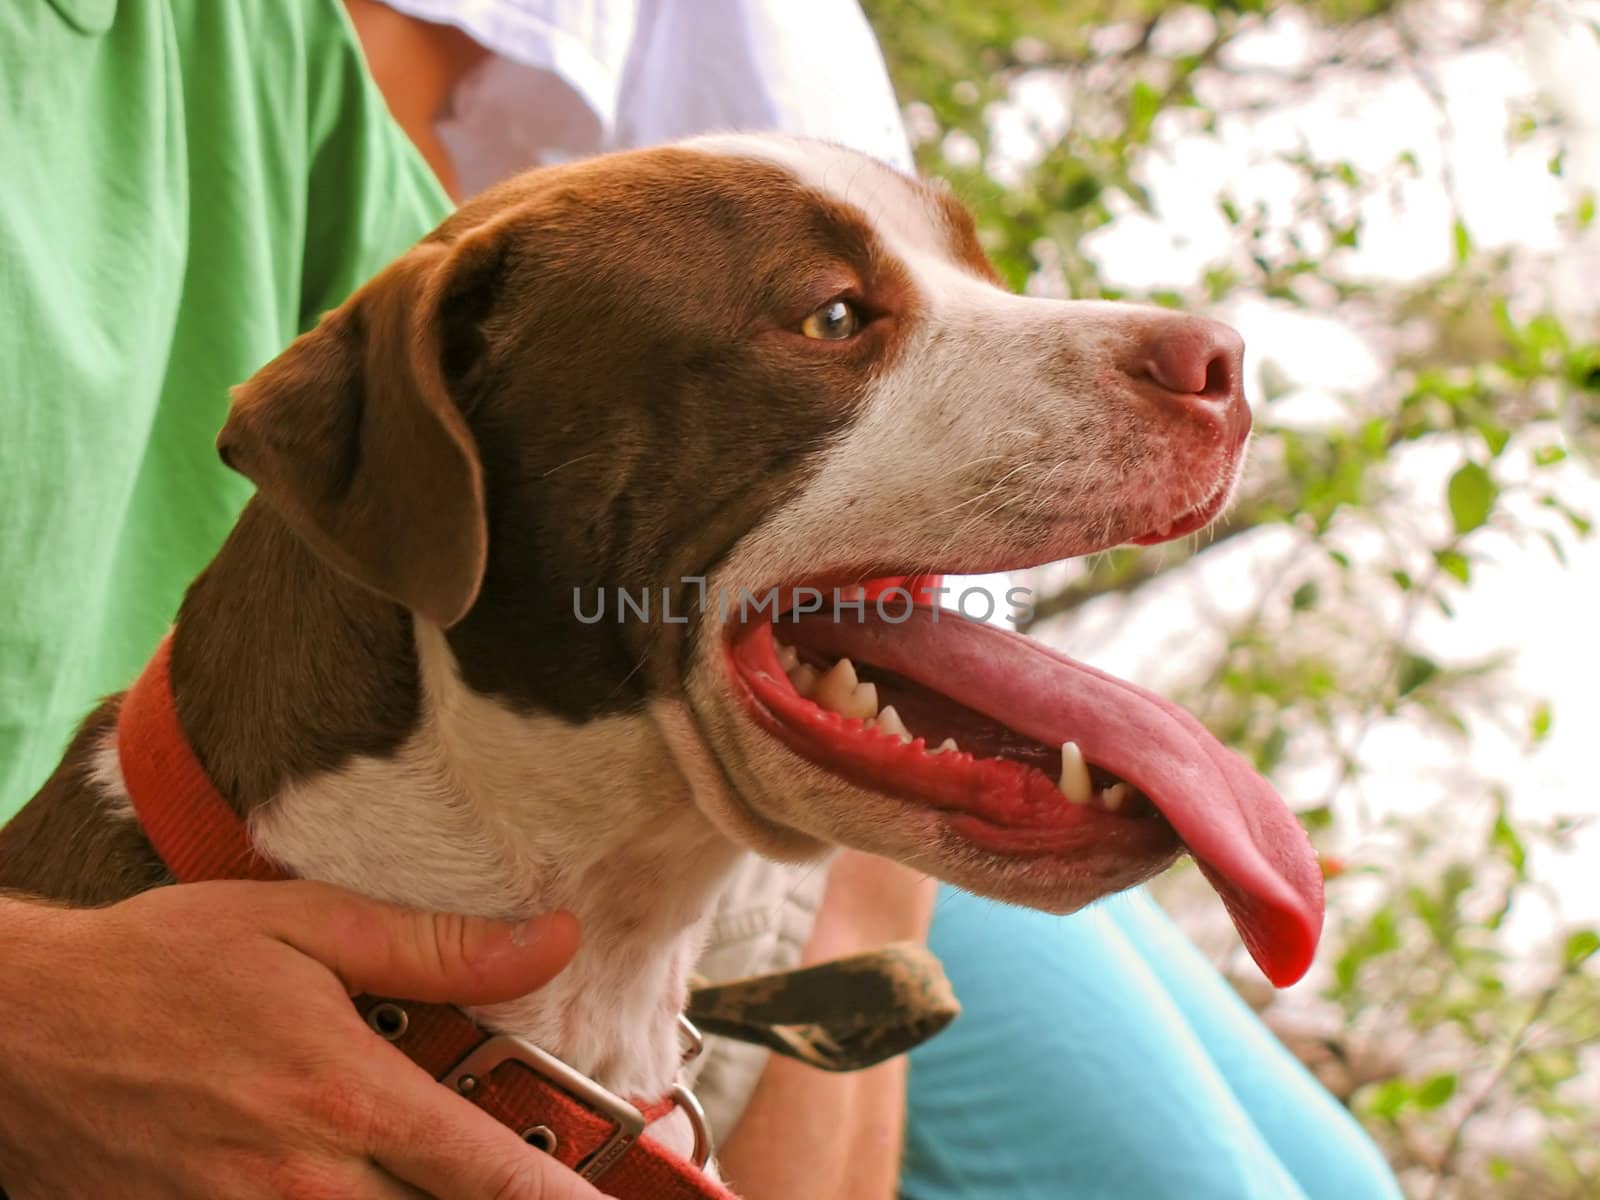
(1100, 1057)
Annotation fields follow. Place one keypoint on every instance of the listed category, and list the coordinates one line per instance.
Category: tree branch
(1492, 1084)
(1139, 571)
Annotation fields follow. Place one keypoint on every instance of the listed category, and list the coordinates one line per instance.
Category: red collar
(199, 836)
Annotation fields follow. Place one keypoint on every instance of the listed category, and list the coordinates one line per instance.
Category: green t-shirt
(187, 184)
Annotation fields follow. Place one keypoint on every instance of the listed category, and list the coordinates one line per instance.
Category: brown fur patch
(655, 405)
(282, 668)
(64, 845)
(958, 223)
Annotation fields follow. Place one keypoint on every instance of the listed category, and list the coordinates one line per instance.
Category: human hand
(198, 1041)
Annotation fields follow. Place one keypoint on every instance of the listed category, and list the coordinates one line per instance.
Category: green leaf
(1320, 817)
(1539, 722)
(1455, 563)
(1436, 1091)
(1272, 749)
(1585, 213)
(1390, 1098)
(1415, 670)
(1143, 104)
(1380, 937)
(1545, 456)
(1556, 548)
(1583, 370)
(1581, 524)
(1507, 842)
(1375, 437)
(1494, 436)
(1472, 495)
(1580, 946)
(1463, 241)
(1305, 596)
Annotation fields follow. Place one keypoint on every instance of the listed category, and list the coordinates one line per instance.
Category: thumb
(416, 955)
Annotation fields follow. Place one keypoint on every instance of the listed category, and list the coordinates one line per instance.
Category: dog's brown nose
(1198, 358)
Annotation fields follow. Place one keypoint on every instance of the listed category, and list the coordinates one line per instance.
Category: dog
(734, 375)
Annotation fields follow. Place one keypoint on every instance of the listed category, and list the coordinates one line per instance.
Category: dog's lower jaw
(715, 792)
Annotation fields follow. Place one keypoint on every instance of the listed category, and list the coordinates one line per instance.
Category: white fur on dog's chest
(396, 830)
(489, 812)
(494, 814)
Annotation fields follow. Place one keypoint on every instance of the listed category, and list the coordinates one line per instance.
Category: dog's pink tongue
(1246, 841)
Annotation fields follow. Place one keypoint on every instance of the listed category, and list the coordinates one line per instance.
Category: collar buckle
(466, 1075)
(476, 1066)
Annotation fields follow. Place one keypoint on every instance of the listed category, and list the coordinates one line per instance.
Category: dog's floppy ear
(352, 437)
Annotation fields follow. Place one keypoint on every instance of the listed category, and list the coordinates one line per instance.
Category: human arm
(807, 1132)
(417, 65)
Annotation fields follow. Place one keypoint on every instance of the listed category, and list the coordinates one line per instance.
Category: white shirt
(570, 78)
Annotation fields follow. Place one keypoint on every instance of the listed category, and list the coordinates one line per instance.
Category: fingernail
(530, 932)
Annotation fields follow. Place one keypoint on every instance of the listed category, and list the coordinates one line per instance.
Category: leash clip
(693, 1044)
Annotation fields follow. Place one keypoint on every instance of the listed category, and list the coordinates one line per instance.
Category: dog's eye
(833, 322)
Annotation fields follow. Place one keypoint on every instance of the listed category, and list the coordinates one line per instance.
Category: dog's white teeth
(837, 685)
(948, 745)
(834, 689)
(838, 691)
(788, 658)
(1074, 785)
(804, 678)
(863, 702)
(1112, 797)
(889, 722)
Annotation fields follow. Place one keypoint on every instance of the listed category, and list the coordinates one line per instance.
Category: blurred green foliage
(1432, 1024)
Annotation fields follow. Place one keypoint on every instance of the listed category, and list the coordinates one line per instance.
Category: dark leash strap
(840, 1015)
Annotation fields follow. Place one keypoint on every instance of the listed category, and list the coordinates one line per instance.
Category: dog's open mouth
(1031, 754)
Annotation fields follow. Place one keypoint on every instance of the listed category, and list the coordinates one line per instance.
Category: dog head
(615, 423)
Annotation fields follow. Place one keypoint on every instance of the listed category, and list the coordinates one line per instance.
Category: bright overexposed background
(1384, 198)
